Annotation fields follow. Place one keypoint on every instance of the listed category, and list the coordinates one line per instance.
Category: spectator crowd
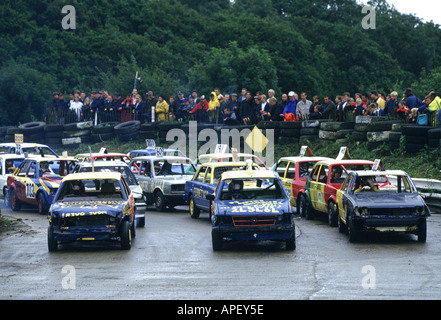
(244, 108)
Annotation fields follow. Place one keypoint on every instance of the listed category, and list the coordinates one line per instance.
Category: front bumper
(260, 233)
(95, 233)
(388, 223)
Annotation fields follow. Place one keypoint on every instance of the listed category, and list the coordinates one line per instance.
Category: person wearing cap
(289, 112)
(200, 111)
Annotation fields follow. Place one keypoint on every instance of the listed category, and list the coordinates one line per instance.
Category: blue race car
(92, 206)
(252, 206)
(381, 201)
(204, 183)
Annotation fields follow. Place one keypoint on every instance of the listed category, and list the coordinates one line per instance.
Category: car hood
(381, 200)
(54, 182)
(172, 178)
(259, 207)
(84, 208)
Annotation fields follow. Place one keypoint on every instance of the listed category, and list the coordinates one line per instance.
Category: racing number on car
(30, 190)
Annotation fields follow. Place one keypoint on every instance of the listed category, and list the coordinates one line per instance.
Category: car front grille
(252, 221)
(88, 221)
(392, 211)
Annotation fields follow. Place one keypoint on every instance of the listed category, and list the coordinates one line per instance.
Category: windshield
(174, 167)
(252, 188)
(124, 170)
(383, 184)
(88, 189)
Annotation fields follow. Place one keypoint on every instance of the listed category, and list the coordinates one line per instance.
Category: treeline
(315, 46)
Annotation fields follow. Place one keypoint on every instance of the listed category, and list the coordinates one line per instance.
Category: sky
(426, 10)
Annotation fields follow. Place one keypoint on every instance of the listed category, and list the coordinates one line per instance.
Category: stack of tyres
(76, 134)
(310, 131)
(103, 132)
(164, 127)
(128, 131)
(395, 136)
(333, 131)
(416, 137)
(53, 135)
(377, 131)
(433, 138)
(33, 131)
(8, 133)
(290, 131)
(148, 131)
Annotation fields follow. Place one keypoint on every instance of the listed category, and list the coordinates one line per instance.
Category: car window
(201, 174)
(291, 172)
(90, 189)
(281, 168)
(252, 188)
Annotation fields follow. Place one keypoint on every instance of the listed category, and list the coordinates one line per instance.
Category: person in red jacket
(200, 111)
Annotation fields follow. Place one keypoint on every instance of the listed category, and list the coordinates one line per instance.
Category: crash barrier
(376, 132)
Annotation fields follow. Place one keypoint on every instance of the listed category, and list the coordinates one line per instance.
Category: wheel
(141, 222)
(216, 240)
(194, 211)
(332, 214)
(309, 211)
(52, 244)
(341, 225)
(301, 206)
(352, 231)
(290, 243)
(42, 204)
(422, 231)
(15, 203)
(126, 235)
(133, 230)
(160, 201)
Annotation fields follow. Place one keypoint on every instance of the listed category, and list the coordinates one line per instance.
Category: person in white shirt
(77, 106)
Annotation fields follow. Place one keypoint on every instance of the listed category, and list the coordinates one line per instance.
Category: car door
(201, 188)
(142, 169)
(317, 187)
(340, 193)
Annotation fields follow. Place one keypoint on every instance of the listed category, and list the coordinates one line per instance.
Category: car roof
(113, 154)
(102, 163)
(249, 174)
(362, 173)
(51, 158)
(226, 164)
(13, 155)
(162, 158)
(227, 155)
(343, 162)
(93, 175)
(299, 158)
(23, 145)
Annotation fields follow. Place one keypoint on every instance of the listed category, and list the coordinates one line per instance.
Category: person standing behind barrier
(125, 108)
(213, 105)
(161, 109)
(62, 108)
(303, 107)
(77, 106)
(150, 102)
(201, 110)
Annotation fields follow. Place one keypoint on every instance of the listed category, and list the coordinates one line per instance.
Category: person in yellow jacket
(213, 104)
(435, 102)
(161, 109)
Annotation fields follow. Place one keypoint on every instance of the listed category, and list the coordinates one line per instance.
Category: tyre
(327, 135)
(394, 136)
(52, 244)
(309, 131)
(309, 211)
(217, 240)
(32, 127)
(290, 132)
(43, 208)
(332, 214)
(127, 127)
(414, 148)
(422, 231)
(160, 204)
(126, 235)
(359, 136)
(352, 231)
(301, 205)
(378, 136)
(335, 126)
(53, 127)
(15, 203)
(194, 211)
(341, 134)
(415, 130)
(77, 133)
(105, 127)
(290, 243)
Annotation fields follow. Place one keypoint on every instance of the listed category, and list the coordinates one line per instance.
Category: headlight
(361, 211)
